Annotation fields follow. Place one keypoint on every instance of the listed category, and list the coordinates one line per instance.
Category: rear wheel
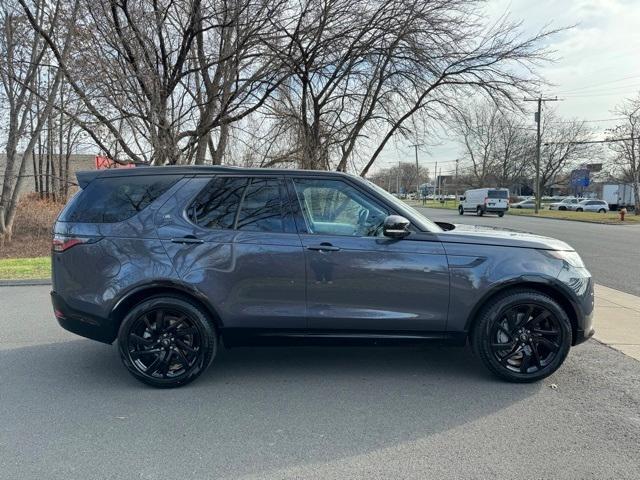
(461, 210)
(579, 210)
(602, 210)
(167, 341)
(522, 336)
(479, 211)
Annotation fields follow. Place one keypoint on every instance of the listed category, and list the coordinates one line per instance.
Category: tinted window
(109, 200)
(261, 209)
(333, 207)
(217, 205)
(498, 194)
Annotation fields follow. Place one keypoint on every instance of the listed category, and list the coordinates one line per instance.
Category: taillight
(486, 200)
(62, 243)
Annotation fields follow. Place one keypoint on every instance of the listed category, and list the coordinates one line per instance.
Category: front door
(358, 279)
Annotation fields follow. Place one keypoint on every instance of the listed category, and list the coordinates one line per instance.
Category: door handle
(323, 247)
(187, 239)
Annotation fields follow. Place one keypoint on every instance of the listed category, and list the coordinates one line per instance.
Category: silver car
(565, 204)
(590, 205)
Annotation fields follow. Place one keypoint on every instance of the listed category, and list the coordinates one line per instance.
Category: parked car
(173, 262)
(485, 200)
(564, 204)
(528, 203)
(590, 205)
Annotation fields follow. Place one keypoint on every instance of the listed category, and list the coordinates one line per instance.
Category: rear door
(234, 239)
(497, 199)
(357, 279)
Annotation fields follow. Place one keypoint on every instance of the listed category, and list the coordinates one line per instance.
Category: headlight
(571, 257)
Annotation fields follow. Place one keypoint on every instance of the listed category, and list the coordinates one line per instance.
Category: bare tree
(627, 150)
(24, 51)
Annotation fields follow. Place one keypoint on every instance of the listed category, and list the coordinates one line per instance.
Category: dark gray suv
(174, 261)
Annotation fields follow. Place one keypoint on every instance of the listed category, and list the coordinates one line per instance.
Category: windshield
(423, 222)
(498, 194)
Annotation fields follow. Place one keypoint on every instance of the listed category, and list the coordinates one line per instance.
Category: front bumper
(81, 323)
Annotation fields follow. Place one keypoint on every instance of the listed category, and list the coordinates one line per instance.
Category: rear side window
(237, 203)
(498, 194)
(111, 200)
(217, 205)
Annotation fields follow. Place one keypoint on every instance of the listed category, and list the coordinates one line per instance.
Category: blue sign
(580, 178)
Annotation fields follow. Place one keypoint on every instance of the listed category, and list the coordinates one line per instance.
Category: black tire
(579, 210)
(548, 351)
(602, 210)
(518, 206)
(501, 214)
(562, 208)
(169, 335)
(479, 211)
(461, 210)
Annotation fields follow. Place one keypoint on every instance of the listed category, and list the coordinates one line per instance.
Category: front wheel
(579, 210)
(167, 341)
(602, 210)
(522, 336)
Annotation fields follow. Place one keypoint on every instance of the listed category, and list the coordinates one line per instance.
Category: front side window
(239, 203)
(333, 207)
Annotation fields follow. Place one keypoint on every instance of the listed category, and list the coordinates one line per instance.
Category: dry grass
(32, 228)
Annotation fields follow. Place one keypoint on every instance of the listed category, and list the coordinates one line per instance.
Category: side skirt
(237, 337)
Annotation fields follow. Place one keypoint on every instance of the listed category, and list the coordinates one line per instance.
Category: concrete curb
(25, 283)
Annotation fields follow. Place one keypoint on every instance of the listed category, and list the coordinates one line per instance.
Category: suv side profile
(173, 262)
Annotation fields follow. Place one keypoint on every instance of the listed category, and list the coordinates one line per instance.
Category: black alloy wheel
(523, 336)
(167, 341)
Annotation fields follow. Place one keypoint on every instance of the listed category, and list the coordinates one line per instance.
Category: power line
(583, 142)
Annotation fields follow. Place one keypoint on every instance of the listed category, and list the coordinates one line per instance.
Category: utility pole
(435, 185)
(538, 118)
(398, 180)
(416, 145)
(457, 162)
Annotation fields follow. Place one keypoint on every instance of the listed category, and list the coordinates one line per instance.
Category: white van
(485, 200)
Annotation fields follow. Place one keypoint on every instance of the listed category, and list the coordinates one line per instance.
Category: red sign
(103, 163)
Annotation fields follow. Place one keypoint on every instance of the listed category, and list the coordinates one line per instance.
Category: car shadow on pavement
(254, 410)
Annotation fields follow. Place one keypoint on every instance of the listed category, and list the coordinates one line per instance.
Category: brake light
(486, 200)
(62, 243)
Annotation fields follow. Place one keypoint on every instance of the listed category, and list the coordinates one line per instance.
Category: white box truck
(618, 195)
(485, 200)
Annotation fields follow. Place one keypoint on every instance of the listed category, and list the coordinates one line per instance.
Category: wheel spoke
(151, 369)
(551, 345)
(526, 362)
(164, 367)
(536, 355)
(160, 320)
(184, 346)
(139, 340)
(183, 358)
(511, 354)
(536, 320)
(545, 332)
(139, 353)
(182, 332)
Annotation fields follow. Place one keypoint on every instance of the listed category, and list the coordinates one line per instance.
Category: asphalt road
(611, 252)
(69, 410)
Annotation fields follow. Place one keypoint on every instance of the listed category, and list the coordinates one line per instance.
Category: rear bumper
(82, 323)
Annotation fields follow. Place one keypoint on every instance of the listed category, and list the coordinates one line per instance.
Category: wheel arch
(142, 292)
(543, 285)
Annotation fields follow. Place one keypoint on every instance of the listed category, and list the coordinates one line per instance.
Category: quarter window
(261, 209)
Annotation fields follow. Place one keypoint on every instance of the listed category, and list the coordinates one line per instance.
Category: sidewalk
(617, 320)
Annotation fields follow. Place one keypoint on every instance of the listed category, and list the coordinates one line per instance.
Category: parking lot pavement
(69, 410)
(610, 251)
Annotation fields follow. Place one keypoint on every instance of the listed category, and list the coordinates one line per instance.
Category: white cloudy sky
(597, 62)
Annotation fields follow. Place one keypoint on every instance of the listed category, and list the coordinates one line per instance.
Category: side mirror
(396, 226)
